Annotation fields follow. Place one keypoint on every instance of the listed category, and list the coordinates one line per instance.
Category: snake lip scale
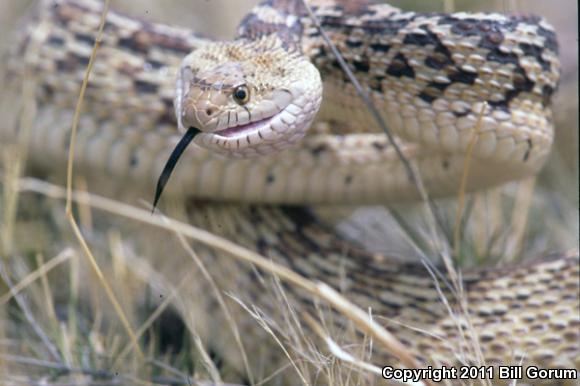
(246, 130)
(245, 134)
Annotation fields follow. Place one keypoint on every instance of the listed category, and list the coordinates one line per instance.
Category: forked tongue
(171, 162)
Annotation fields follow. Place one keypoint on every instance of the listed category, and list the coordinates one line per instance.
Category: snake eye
(241, 95)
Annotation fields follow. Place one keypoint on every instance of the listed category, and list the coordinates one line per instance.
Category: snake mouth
(245, 130)
(261, 137)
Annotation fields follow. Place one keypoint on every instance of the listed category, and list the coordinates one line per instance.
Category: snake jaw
(266, 134)
(273, 124)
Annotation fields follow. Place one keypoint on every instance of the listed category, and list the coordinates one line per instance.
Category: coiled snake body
(429, 74)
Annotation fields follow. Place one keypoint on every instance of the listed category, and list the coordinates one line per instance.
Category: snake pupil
(241, 95)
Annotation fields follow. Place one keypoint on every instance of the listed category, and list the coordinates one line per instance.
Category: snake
(281, 129)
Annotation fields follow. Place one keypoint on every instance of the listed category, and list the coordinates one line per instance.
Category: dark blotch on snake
(380, 47)
(529, 149)
(145, 87)
(172, 161)
(132, 43)
(56, 41)
(379, 146)
(318, 150)
(134, 161)
(85, 38)
(353, 43)
(462, 76)
(362, 65)
(399, 67)
(155, 64)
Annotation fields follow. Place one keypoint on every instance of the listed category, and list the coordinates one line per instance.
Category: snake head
(247, 98)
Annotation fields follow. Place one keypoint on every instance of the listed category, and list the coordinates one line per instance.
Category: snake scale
(429, 75)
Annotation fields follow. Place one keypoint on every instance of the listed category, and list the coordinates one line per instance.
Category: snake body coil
(429, 74)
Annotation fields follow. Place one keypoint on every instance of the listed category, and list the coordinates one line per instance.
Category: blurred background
(555, 209)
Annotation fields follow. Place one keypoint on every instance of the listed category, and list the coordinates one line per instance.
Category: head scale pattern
(253, 96)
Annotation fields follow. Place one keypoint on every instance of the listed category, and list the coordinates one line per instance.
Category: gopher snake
(429, 73)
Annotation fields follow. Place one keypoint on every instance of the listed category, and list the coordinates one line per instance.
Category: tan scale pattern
(524, 314)
(134, 85)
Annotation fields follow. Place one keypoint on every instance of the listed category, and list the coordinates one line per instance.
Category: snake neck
(274, 21)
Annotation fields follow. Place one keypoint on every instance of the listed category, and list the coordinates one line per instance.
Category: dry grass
(58, 319)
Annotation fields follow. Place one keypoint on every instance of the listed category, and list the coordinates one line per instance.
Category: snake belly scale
(429, 74)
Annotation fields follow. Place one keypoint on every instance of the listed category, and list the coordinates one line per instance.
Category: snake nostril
(209, 112)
